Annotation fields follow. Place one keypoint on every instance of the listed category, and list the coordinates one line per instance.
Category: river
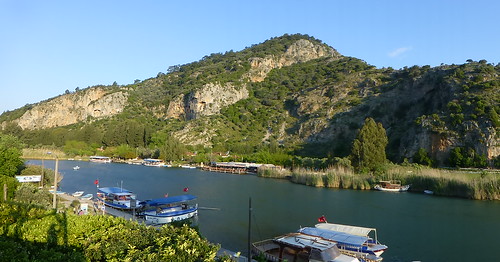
(416, 227)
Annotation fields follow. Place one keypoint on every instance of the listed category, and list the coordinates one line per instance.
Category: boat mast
(249, 257)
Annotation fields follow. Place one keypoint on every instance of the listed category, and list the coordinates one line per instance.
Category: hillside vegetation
(291, 95)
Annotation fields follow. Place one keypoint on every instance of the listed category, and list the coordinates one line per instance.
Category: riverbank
(470, 184)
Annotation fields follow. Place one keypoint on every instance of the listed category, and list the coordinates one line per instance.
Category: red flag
(186, 189)
(322, 219)
(96, 182)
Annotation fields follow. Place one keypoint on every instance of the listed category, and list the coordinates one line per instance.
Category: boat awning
(114, 190)
(302, 240)
(169, 200)
(353, 230)
(335, 236)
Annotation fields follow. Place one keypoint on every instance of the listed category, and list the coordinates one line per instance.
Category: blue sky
(47, 47)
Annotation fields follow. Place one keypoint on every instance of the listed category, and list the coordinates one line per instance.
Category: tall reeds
(333, 177)
(473, 185)
(273, 172)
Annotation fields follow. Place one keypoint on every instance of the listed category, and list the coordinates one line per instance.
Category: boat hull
(169, 217)
(78, 194)
(401, 189)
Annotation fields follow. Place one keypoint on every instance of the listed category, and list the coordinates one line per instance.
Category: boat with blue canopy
(117, 197)
(362, 247)
(168, 209)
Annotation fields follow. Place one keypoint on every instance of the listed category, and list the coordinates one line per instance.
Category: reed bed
(274, 172)
(333, 177)
(481, 185)
(478, 184)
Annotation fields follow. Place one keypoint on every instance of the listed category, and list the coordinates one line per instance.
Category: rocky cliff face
(73, 108)
(208, 100)
(301, 51)
(212, 97)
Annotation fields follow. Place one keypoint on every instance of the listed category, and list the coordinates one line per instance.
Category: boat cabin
(117, 197)
(298, 247)
(361, 247)
(390, 184)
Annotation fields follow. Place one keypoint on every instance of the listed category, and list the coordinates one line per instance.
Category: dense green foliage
(422, 157)
(10, 155)
(368, 149)
(11, 183)
(30, 233)
(466, 157)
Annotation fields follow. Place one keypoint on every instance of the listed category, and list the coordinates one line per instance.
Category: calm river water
(416, 227)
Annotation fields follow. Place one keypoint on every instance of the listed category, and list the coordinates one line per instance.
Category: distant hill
(294, 92)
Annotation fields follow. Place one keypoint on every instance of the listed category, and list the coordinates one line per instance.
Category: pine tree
(368, 149)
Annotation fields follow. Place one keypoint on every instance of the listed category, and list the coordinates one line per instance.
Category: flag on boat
(322, 219)
(186, 189)
(96, 182)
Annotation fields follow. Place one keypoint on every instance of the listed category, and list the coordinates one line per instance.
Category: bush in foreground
(31, 233)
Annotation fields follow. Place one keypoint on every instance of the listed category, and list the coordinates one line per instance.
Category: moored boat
(100, 159)
(300, 247)
(87, 197)
(78, 194)
(391, 186)
(169, 209)
(154, 162)
(361, 247)
(370, 243)
(117, 197)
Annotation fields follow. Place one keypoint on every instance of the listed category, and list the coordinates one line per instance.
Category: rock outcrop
(301, 51)
(72, 108)
(212, 97)
(208, 100)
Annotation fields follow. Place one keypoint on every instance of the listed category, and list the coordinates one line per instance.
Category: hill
(291, 92)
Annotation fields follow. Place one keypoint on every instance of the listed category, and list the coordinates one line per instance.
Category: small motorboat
(87, 197)
(429, 192)
(78, 194)
(76, 167)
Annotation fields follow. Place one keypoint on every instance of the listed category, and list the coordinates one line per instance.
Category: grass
(42, 153)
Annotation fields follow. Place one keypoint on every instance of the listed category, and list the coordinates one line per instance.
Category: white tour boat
(169, 209)
(117, 197)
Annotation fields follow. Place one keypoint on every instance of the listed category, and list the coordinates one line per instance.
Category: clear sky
(47, 47)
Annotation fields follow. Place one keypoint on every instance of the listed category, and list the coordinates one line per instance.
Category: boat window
(330, 254)
(316, 255)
